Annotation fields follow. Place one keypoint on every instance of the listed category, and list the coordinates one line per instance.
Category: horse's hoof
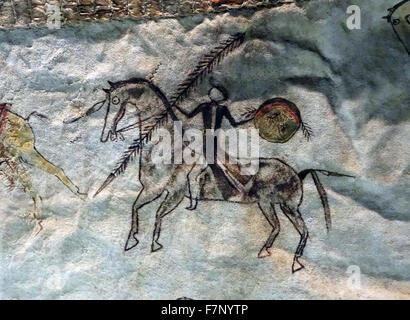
(156, 246)
(297, 266)
(263, 253)
(82, 196)
(132, 242)
(40, 227)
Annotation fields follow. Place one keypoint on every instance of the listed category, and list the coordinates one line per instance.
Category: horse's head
(135, 97)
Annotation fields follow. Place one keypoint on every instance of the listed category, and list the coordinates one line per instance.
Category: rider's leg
(195, 182)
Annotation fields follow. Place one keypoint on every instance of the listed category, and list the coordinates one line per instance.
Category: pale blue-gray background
(352, 87)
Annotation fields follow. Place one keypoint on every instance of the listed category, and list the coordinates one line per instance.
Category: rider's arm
(227, 114)
(194, 112)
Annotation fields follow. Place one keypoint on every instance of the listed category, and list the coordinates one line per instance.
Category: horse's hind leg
(268, 210)
(296, 218)
(144, 198)
(171, 201)
(33, 157)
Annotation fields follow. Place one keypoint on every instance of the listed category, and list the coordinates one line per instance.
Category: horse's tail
(321, 190)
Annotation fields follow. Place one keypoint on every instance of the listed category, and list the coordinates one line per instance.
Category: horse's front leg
(145, 197)
(175, 193)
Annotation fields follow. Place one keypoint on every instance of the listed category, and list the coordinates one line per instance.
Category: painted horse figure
(275, 185)
(17, 145)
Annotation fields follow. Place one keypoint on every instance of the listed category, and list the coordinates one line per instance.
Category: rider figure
(213, 113)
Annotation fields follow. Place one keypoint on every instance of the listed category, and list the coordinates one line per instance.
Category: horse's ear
(106, 90)
(111, 83)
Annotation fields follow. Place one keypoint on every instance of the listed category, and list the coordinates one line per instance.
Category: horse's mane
(205, 66)
(119, 84)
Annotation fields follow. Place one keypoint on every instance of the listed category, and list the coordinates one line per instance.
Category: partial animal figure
(17, 146)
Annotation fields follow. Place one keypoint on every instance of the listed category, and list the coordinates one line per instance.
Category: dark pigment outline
(276, 184)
